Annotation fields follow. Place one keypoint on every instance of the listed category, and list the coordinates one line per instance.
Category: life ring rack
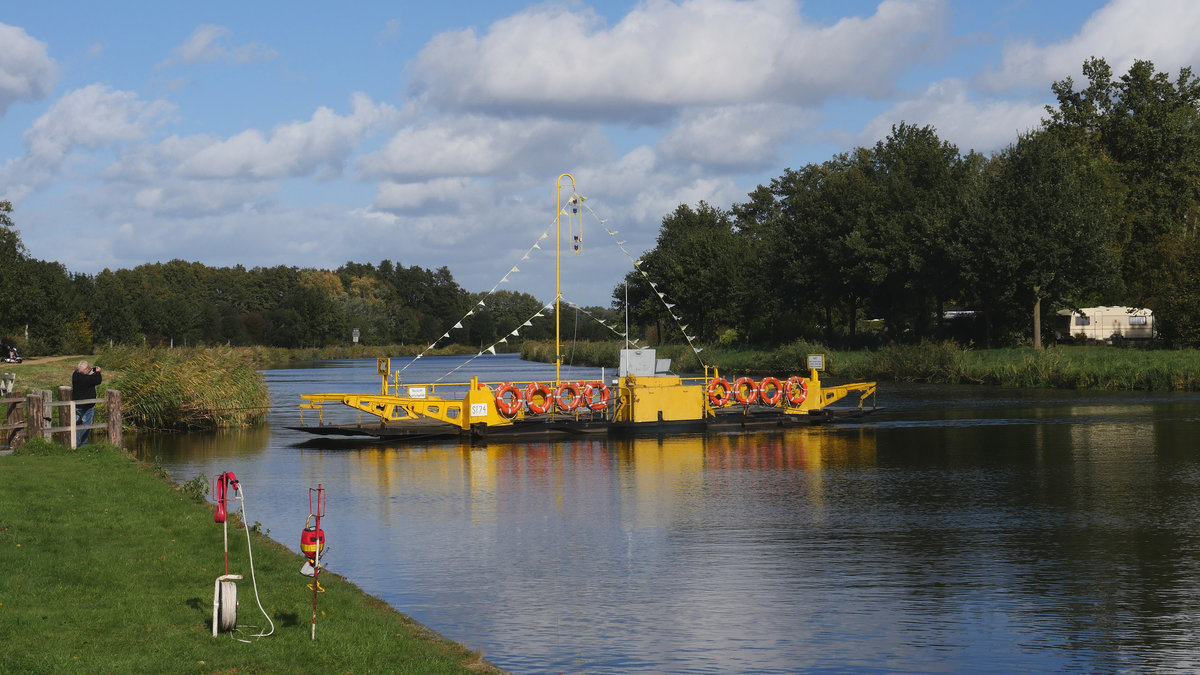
(565, 403)
(795, 390)
(508, 407)
(773, 385)
(537, 389)
(720, 393)
(588, 391)
(745, 390)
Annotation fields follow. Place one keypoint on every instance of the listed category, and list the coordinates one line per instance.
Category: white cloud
(293, 149)
(93, 117)
(985, 126)
(27, 73)
(208, 43)
(87, 119)
(750, 136)
(476, 145)
(665, 54)
(1163, 31)
(408, 196)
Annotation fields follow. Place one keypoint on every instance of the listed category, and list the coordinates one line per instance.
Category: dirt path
(49, 359)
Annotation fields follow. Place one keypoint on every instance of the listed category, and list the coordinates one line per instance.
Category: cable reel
(225, 486)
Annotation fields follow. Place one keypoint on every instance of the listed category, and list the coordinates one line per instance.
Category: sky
(434, 134)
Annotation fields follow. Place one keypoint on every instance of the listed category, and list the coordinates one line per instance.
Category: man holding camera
(83, 386)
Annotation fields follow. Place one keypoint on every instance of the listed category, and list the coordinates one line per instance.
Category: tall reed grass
(188, 388)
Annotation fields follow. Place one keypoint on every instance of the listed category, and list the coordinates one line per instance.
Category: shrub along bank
(108, 568)
(1091, 367)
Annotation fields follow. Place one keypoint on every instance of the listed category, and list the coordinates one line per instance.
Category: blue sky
(431, 134)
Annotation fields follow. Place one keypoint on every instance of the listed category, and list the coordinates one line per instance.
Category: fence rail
(31, 415)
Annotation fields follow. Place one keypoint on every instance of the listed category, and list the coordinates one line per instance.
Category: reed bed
(186, 389)
(280, 357)
(1074, 367)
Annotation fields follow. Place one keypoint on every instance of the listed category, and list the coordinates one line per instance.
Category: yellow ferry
(644, 396)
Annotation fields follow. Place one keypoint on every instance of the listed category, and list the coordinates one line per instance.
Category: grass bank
(1083, 367)
(107, 568)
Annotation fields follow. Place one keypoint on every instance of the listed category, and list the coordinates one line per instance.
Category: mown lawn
(105, 567)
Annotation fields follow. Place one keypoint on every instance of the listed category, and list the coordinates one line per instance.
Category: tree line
(1097, 206)
(44, 308)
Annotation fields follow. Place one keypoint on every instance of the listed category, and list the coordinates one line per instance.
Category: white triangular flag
(458, 325)
(492, 349)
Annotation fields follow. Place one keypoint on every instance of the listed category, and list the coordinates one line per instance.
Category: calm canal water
(961, 529)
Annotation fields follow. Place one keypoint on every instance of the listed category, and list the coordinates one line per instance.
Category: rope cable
(662, 297)
(458, 324)
(492, 349)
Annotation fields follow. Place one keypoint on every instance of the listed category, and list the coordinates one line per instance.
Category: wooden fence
(35, 415)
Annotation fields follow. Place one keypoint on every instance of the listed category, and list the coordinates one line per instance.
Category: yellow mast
(557, 287)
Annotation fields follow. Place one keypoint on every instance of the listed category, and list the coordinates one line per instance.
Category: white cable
(227, 614)
(254, 582)
(228, 622)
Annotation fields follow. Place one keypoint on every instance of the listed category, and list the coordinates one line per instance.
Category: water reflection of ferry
(645, 396)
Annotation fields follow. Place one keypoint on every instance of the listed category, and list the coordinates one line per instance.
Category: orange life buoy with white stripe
(745, 390)
(505, 405)
(562, 402)
(589, 395)
(795, 390)
(770, 391)
(719, 392)
(539, 391)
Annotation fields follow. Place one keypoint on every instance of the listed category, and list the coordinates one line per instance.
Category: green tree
(1040, 228)
(1149, 126)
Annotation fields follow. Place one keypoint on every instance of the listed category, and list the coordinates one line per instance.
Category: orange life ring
(568, 404)
(540, 390)
(796, 390)
(776, 388)
(719, 400)
(745, 390)
(508, 407)
(589, 395)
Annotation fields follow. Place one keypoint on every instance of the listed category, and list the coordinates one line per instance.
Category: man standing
(83, 386)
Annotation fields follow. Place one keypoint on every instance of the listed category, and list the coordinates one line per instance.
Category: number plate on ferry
(479, 410)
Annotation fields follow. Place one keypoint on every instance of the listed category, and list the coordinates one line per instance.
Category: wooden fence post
(113, 405)
(33, 416)
(64, 419)
(47, 399)
(15, 415)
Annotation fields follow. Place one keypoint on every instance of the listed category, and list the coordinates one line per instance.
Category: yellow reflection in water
(662, 475)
